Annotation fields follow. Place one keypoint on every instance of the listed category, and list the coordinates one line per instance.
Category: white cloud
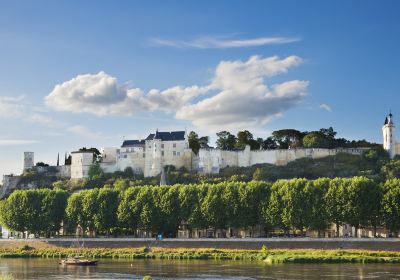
(325, 107)
(237, 96)
(14, 142)
(244, 99)
(210, 42)
(100, 94)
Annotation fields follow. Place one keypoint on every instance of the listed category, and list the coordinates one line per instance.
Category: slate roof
(168, 136)
(132, 143)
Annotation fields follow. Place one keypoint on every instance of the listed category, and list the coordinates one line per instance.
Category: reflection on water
(172, 269)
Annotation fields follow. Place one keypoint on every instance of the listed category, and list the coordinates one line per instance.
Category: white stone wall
(109, 155)
(80, 165)
(212, 160)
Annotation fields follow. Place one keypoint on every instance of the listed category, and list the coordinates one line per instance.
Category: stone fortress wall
(212, 160)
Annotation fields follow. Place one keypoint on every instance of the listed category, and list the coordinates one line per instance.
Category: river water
(182, 269)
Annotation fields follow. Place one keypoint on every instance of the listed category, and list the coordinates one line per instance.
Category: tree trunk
(356, 232)
(337, 229)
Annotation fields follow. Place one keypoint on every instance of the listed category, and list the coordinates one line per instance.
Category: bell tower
(389, 142)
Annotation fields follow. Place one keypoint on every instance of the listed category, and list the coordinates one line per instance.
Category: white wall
(80, 164)
(211, 160)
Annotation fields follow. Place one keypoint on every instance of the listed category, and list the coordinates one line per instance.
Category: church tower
(389, 142)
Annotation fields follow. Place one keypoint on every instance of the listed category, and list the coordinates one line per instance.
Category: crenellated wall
(212, 160)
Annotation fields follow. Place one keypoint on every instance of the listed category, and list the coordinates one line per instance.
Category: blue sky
(126, 68)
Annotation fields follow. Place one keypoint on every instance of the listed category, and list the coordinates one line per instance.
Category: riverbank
(269, 256)
(371, 244)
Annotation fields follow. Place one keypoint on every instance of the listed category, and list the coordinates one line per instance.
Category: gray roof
(132, 143)
(168, 136)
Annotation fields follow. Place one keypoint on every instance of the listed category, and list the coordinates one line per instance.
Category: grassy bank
(268, 256)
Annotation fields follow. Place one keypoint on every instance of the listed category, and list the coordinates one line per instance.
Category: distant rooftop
(132, 143)
(163, 136)
(168, 136)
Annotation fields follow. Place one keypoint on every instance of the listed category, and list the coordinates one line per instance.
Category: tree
(315, 140)
(391, 170)
(244, 138)
(226, 140)
(335, 202)
(53, 209)
(74, 211)
(287, 138)
(391, 205)
(105, 218)
(194, 143)
(316, 191)
(362, 201)
(253, 199)
(169, 210)
(214, 208)
(269, 144)
(95, 172)
(128, 212)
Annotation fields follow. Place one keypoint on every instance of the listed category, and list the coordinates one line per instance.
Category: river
(47, 269)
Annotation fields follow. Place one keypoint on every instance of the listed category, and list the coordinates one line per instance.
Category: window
(174, 153)
(162, 153)
(178, 154)
(174, 145)
(162, 146)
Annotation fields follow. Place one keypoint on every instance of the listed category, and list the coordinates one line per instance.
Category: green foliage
(294, 204)
(34, 211)
(95, 172)
(226, 140)
(391, 204)
(315, 140)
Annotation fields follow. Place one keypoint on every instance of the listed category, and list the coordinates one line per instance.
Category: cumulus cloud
(326, 107)
(210, 42)
(237, 96)
(100, 94)
(244, 99)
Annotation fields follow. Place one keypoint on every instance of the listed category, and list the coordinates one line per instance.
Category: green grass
(269, 256)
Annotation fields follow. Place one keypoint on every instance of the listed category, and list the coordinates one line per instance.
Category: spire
(58, 159)
(390, 119)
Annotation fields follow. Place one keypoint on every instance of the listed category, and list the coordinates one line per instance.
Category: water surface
(46, 269)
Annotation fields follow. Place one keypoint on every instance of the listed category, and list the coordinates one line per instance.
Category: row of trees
(295, 204)
(280, 139)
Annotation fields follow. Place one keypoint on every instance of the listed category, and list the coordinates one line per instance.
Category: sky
(92, 73)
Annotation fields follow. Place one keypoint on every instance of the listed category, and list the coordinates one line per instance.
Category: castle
(159, 149)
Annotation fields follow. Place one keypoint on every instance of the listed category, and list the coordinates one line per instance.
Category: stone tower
(28, 160)
(389, 141)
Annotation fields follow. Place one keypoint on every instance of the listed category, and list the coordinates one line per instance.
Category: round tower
(389, 141)
(28, 160)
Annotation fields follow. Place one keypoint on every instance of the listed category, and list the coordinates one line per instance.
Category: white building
(80, 164)
(389, 139)
(150, 155)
